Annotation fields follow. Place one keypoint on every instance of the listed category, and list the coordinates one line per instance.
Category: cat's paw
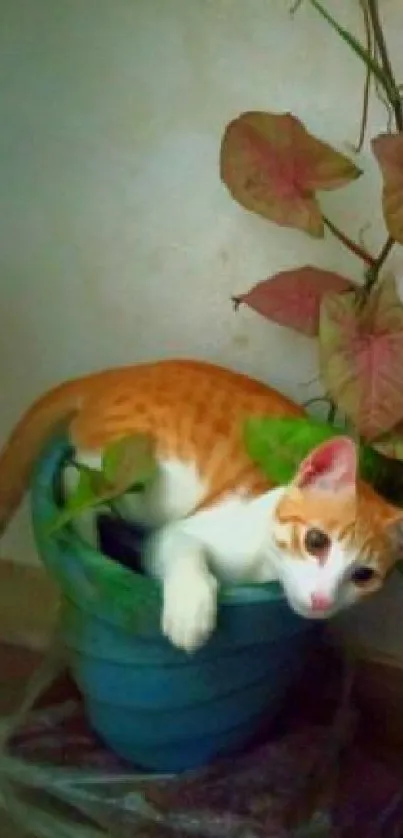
(190, 609)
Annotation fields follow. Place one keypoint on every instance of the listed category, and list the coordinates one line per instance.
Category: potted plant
(153, 704)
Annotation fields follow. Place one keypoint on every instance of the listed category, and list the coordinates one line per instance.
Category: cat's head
(335, 538)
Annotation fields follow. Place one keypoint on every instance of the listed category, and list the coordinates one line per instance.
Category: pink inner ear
(331, 467)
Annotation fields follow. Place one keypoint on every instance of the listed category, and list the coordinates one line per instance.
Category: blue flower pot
(152, 704)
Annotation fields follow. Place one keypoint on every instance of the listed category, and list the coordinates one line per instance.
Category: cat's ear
(331, 467)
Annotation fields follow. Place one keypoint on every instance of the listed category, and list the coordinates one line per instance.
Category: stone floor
(385, 738)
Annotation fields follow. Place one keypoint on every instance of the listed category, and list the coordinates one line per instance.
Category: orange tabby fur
(195, 410)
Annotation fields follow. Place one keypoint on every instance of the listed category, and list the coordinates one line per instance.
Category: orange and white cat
(327, 538)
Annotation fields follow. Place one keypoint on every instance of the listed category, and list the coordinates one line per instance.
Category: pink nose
(320, 602)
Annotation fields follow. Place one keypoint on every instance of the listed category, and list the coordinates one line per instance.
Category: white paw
(190, 609)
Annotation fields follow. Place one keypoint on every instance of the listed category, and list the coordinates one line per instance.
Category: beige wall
(118, 242)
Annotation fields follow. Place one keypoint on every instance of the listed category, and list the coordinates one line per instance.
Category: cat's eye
(362, 574)
(317, 542)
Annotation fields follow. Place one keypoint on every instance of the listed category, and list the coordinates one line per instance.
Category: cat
(328, 538)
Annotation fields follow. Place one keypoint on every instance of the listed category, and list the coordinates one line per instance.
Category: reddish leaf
(293, 298)
(388, 149)
(272, 166)
(361, 355)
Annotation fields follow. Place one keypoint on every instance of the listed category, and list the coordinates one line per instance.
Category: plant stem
(317, 400)
(369, 60)
(368, 75)
(372, 273)
(349, 243)
(392, 89)
(295, 6)
(331, 410)
(383, 98)
(331, 416)
(384, 253)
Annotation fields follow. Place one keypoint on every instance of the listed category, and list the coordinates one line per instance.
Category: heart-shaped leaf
(361, 357)
(388, 150)
(273, 166)
(130, 462)
(91, 491)
(280, 444)
(293, 298)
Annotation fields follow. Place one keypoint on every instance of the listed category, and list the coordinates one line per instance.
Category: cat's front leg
(190, 603)
(189, 589)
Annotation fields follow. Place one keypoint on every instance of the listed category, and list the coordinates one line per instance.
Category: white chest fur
(192, 553)
(236, 535)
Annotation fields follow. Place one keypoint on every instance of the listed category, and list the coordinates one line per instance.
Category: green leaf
(91, 491)
(355, 45)
(130, 462)
(279, 445)
(89, 487)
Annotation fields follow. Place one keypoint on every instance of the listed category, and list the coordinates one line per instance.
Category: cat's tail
(23, 447)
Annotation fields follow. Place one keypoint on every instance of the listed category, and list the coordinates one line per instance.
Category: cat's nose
(320, 602)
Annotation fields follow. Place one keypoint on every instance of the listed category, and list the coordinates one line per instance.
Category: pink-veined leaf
(361, 357)
(273, 167)
(293, 298)
(388, 150)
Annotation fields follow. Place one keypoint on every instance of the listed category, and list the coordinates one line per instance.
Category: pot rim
(44, 509)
